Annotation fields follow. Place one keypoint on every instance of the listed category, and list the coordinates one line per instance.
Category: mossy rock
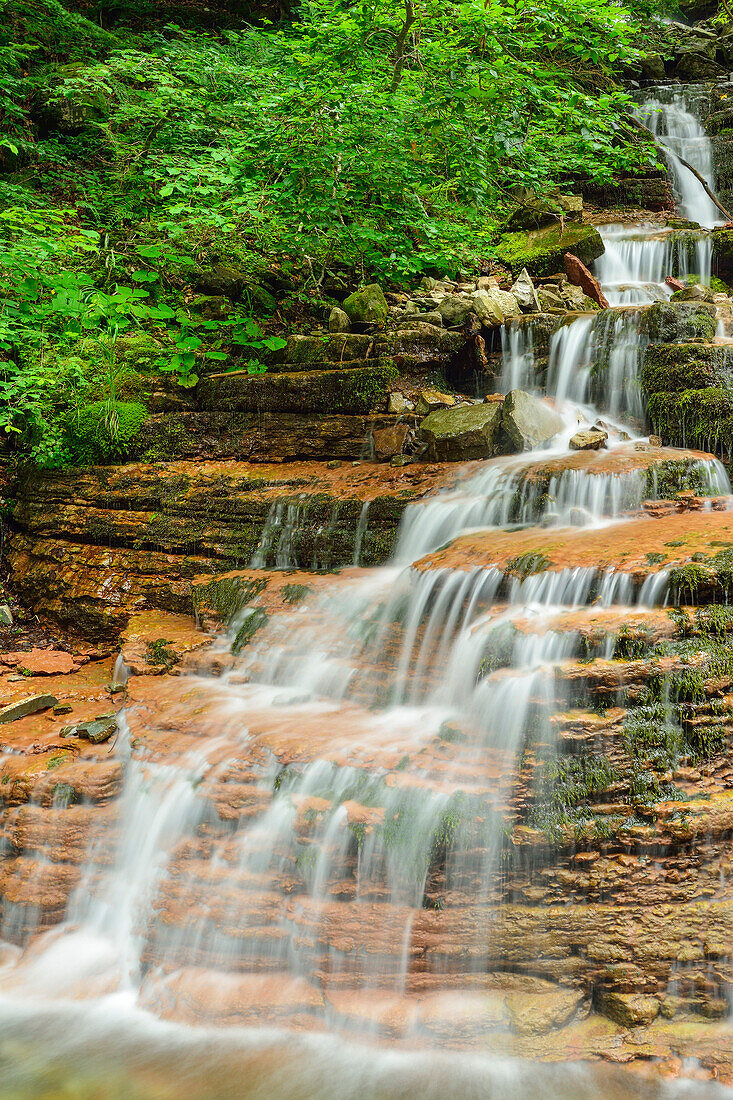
(72, 112)
(666, 323)
(723, 251)
(537, 211)
(337, 348)
(367, 306)
(650, 192)
(138, 350)
(350, 390)
(104, 431)
(542, 251)
(462, 433)
(701, 418)
(212, 307)
(673, 368)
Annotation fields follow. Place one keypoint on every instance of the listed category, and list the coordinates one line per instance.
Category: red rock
(389, 441)
(579, 275)
(42, 662)
(674, 283)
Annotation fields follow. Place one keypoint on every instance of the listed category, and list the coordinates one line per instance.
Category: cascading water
(639, 256)
(669, 115)
(372, 739)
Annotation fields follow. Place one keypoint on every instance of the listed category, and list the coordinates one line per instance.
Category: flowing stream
(369, 739)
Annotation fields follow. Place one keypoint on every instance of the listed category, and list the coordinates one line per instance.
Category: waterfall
(669, 117)
(321, 840)
(638, 258)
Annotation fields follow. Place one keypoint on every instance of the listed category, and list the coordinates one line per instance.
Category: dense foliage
(362, 138)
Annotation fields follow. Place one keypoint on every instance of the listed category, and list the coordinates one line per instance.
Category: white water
(670, 117)
(376, 672)
(640, 256)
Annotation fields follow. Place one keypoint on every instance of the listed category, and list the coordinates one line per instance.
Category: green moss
(701, 418)
(157, 653)
(542, 251)
(499, 649)
(527, 564)
(631, 644)
(667, 324)
(294, 593)
(227, 596)
(64, 795)
(370, 387)
(666, 479)
(675, 368)
(255, 618)
(563, 788)
(104, 431)
(138, 351)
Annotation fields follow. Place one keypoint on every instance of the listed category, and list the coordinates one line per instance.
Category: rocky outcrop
(92, 547)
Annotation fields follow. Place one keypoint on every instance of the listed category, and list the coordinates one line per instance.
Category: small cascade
(596, 359)
(518, 356)
(509, 495)
(639, 257)
(360, 532)
(276, 541)
(669, 115)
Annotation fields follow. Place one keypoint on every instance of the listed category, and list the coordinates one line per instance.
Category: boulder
(429, 400)
(98, 731)
(454, 309)
(367, 306)
(675, 284)
(591, 440)
(527, 422)
(338, 320)
(535, 211)
(462, 433)
(576, 299)
(694, 293)
(628, 1009)
(579, 275)
(550, 300)
(696, 66)
(212, 307)
(542, 251)
(389, 441)
(525, 293)
(671, 322)
(492, 305)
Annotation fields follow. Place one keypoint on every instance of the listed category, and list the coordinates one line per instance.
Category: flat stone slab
(23, 707)
(640, 546)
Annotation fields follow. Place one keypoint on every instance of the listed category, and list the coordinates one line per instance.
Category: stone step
(92, 546)
(260, 436)
(354, 390)
(692, 546)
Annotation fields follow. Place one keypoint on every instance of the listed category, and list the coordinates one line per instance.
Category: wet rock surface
(482, 799)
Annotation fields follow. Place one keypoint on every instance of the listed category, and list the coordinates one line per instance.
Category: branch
(401, 47)
(663, 148)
